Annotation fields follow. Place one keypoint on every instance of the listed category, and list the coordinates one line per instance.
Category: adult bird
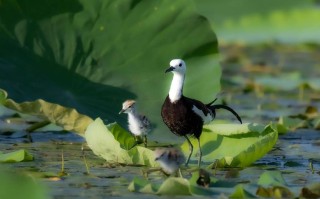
(185, 116)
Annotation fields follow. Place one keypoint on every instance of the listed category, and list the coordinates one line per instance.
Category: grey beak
(169, 69)
(122, 110)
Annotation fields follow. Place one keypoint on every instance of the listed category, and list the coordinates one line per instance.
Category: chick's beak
(122, 110)
(169, 69)
(156, 159)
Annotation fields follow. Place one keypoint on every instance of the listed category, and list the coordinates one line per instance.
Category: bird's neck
(132, 113)
(176, 87)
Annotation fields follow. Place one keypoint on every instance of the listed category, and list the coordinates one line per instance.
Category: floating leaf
(271, 178)
(287, 123)
(171, 186)
(102, 141)
(235, 145)
(274, 192)
(174, 186)
(16, 156)
(240, 192)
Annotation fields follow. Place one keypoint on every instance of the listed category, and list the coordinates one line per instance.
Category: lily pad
(271, 178)
(172, 186)
(102, 140)
(234, 145)
(240, 192)
(16, 156)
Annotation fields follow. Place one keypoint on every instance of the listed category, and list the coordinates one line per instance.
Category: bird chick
(170, 159)
(139, 125)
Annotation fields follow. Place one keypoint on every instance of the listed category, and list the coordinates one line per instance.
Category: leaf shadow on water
(211, 145)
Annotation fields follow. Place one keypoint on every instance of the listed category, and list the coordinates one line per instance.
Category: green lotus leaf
(102, 140)
(271, 178)
(93, 55)
(68, 118)
(16, 156)
(171, 186)
(234, 145)
(288, 21)
(240, 192)
(3, 96)
(287, 123)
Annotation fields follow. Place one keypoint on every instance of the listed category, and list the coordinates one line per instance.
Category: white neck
(176, 87)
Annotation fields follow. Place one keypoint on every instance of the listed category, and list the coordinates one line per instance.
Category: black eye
(180, 64)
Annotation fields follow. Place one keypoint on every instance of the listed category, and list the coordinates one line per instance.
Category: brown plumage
(185, 116)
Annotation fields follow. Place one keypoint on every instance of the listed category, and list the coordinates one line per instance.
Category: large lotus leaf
(68, 118)
(16, 156)
(102, 140)
(291, 21)
(92, 55)
(235, 145)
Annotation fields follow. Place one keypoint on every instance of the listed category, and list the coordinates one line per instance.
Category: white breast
(136, 126)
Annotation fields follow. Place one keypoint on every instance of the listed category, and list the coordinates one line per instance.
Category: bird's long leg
(200, 152)
(190, 149)
(145, 140)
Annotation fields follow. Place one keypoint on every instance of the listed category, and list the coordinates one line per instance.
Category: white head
(128, 106)
(177, 66)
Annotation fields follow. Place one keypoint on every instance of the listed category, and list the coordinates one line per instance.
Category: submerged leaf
(16, 156)
(235, 145)
(102, 141)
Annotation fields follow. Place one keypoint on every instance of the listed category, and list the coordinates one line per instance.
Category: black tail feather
(209, 104)
(218, 106)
